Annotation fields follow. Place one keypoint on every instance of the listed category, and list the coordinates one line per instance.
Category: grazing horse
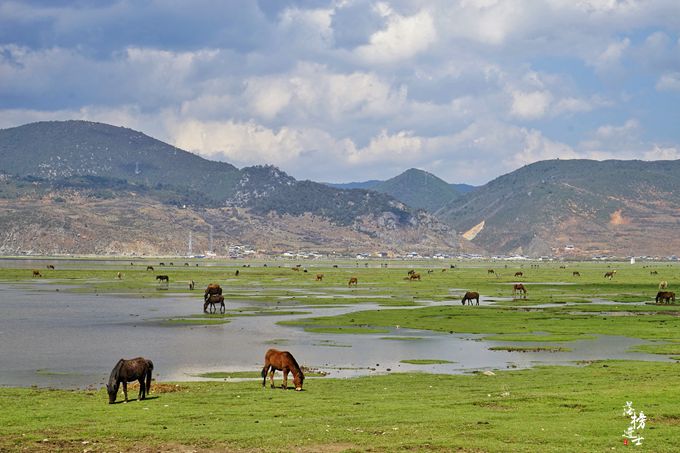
(211, 290)
(610, 275)
(319, 277)
(415, 276)
(213, 300)
(519, 288)
(411, 272)
(50, 266)
(149, 268)
(665, 297)
(36, 273)
(119, 275)
(576, 274)
(125, 371)
(519, 274)
(236, 273)
(285, 362)
(352, 281)
(469, 296)
(161, 264)
(663, 284)
(192, 284)
(163, 278)
(490, 271)
(653, 273)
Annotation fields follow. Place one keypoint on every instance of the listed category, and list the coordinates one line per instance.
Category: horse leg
(264, 374)
(271, 377)
(285, 378)
(222, 307)
(125, 390)
(142, 389)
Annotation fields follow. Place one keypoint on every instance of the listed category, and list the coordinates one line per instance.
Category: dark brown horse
(50, 266)
(519, 288)
(163, 278)
(610, 275)
(36, 273)
(213, 289)
(415, 276)
(125, 371)
(213, 300)
(352, 281)
(284, 362)
(319, 277)
(576, 274)
(519, 274)
(149, 268)
(665, 297)
(469, 296)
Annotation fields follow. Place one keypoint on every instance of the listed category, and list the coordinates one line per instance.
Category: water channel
(51, 337)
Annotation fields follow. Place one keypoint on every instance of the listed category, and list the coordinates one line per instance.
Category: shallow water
(58, 339)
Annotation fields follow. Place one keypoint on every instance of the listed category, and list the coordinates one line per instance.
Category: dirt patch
(159, 388)
(670, 420)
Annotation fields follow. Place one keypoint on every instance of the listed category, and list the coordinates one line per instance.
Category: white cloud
(669, 82)
(530, 105)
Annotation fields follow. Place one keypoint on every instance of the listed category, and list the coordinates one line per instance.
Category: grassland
(574, 408)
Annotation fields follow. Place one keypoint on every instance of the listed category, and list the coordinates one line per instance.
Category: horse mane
(297, 367)
(115, 373)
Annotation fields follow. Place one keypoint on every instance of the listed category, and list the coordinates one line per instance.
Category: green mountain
(574, 207)
(419, 189)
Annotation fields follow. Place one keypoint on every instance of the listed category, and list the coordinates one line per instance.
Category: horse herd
(140, 369)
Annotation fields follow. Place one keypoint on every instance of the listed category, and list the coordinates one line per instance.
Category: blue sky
(351, 90)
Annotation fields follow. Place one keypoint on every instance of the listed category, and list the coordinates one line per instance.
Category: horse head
(298, 379)
(112, 390)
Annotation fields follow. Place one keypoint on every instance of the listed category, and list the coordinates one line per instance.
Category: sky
(353, 90)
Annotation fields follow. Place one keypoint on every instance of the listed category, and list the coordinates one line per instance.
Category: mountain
(580, 207)
(74, 180)
(414, 187)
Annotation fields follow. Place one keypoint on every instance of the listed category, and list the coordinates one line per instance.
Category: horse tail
(148, 375)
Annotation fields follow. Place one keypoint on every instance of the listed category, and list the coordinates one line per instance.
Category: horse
(319, 277)
(519, 288)
(36, 273)
(415, 276)
(192, 284)
(469, 296)
(665, 296)
(211, 290)
(296, 269)
(161, 264)
(411, 272)
(125, 371)
(236, 273)
(50, 266)
(519, 274)
(213, 300)
(490, 271)
(149, 268)
(163, 278)
(576, 274)
(285, 362)
(663, 284)
(352, 281)
(610, 275)
(119, 275)
(653, 273)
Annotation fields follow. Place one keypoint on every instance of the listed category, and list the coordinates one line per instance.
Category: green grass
(547, 409)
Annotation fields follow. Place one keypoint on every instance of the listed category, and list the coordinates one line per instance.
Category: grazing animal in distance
(119, 276)
(211, 290)
(213, 300)
(415, 276)
(663, 284)
(36, 273)
(352, 281)
(469, 296)
(186, 264)
(236, 273)
(610, 274)
(138, 369)
(335, 266)
(519, 288)
(490, 271)
(665, 297)
(411, 272)
(576, 274)
(653, 273)
(296, 269)
(284, 362)
(192, 284)
(519, 274)
(161, 264)
(319, 277)
(163, 278)
(50, 266)
(149, 268)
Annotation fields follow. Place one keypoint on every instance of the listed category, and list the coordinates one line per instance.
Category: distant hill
(416, 188)
(575, 207)
(54, 164)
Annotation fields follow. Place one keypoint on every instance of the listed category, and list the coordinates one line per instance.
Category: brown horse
(213, 300)
(213, 289)
(149, 268)
(50, 266)
(285, 362)
(665, 297)
(519, 288)
(125, 371)
(319, 277)
(192, 284)
(576, 274)
(36, 273)
(519, 274)
(163, 278)
(610, 275)
(490, 271)
(415, 276)
(352, 281)
(469, 296)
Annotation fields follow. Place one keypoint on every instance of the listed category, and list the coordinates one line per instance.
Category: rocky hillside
(575, 207)
(55, 175)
